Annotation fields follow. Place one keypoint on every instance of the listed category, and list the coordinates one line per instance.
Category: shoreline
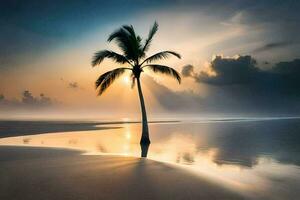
(12, 128)
(46, 173)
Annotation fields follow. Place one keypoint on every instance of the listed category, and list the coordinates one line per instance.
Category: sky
(239, 57)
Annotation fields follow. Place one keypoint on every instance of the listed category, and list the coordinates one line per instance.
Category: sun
(126, 80)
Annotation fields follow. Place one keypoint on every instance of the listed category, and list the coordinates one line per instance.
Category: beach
(30, 173)
(255, 159)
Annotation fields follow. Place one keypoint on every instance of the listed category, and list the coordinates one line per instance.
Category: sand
(44, 173)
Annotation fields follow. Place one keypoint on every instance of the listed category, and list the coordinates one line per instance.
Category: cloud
(288, 67)
(180, 101)
(27, 101)
(238, 84)
(271, 46)
(243, 70)
(226, 71)
(187, 70)
(73, 85)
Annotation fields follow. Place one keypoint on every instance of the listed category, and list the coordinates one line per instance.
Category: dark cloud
(28, 98)
(230, 71)
(73, 85)
(239, 85)
(187, 70)
(244, 72)
(290, 67)
(27, 101)
(271, 46)
(41, 101)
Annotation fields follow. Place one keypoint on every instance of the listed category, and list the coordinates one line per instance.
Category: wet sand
(44, 173)
(12, 128)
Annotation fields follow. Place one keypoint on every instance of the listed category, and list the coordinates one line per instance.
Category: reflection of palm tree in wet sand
(134, 54)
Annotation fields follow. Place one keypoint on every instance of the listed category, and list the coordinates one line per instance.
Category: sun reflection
(125, 119)
(128, 135)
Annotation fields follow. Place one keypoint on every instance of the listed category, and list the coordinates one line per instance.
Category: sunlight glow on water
(261, 159)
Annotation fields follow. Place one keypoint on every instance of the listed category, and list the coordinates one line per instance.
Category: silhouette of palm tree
(134, 54)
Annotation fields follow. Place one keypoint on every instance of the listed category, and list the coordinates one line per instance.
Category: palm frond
(134, 41)
(122, 38)
(161, 55)
(101, 78)
(130, 30)
(128, 41)
(106, 79)
(101, 55)
(118, 34)
(152, 32)
(165, 70)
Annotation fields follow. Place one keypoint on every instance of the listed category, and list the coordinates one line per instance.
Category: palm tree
(134, 55)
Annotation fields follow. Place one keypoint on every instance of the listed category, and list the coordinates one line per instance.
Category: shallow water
(259, 158)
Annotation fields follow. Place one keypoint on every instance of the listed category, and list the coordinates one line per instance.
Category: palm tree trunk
(145, 132)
